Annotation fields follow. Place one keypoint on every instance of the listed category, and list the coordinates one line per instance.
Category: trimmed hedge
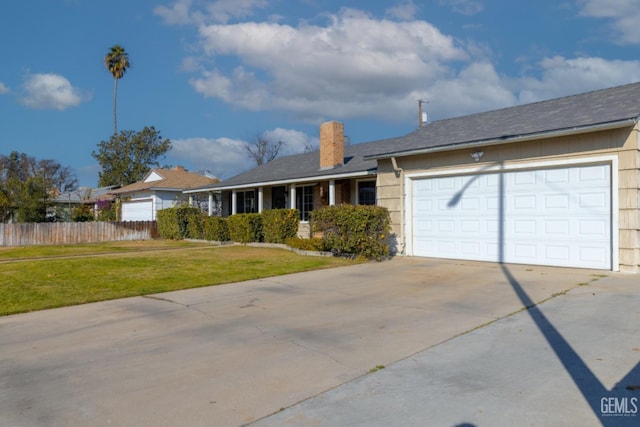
(354, 230)
(313, 244)
(245, 228)
(279, 224)
(216, 228)
(179, 223)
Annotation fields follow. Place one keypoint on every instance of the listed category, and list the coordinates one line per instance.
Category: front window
(304, 202)
(367, 193)
(246, 202)
(279, 198)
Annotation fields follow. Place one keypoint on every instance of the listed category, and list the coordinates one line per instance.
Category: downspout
(400, 172)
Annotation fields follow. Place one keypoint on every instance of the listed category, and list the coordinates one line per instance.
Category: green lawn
(37, 278)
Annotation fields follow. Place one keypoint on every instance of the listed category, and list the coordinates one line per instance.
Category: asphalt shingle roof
(173, 179)
(305, 165)
(584, 110)
(607, 106)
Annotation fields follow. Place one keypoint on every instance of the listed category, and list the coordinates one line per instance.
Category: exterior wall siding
(624, 143)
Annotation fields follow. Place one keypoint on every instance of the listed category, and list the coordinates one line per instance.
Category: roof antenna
(422, 116)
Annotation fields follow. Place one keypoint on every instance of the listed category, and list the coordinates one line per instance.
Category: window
(246, 202)
(367, 193)
(304, 202)
(279, 198)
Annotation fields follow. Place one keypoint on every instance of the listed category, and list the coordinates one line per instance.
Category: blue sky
(213, 76)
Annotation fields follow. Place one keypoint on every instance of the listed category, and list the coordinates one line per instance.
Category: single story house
(160, 189)
(555, 182)
(62, 206)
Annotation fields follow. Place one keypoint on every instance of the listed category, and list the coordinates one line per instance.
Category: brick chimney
(331, 144)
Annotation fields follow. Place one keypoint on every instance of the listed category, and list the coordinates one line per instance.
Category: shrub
(279, 224)
(245, 228)
(106, 210)
(354, 230)
(83, 213)
(180, 223)
(313, 244)
(216, 228)
(195, 225)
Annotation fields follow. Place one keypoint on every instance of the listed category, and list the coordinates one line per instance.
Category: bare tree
(263, 150)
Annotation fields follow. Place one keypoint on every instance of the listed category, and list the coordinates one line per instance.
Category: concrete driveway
(233, 354)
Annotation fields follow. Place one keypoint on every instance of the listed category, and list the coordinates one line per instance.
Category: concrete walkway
(234, 354)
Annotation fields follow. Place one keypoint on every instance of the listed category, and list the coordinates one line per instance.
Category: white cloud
(464, 7)
(623, 14)
(178, 13)
(405, 11)
(4, 89)
(220, 11)
(225, 10)
(319, 70)
(562, 76)
(50, 91)
(476, 88)
(358, 66)
(226, 157)
(293, 141)
(223, 157)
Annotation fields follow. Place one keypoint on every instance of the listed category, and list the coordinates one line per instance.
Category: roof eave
(315, 178)
(511, 139)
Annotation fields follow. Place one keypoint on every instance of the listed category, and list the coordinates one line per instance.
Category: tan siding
(623, 142)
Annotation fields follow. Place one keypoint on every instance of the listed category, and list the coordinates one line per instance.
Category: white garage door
(559, 217)
(138, 210)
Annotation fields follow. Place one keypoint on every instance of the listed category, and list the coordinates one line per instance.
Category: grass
(28, 252)
(37, 278)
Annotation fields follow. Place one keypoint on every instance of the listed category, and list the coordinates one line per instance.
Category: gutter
(511, 139)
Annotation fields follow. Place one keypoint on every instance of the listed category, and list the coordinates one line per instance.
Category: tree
(117, 62)
(129, 155)
(27, 186)
(263, 150)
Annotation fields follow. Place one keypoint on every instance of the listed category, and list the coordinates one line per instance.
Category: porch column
(190, 200)
(292, 196)
(234, 202)
(332, 192)
(260, 199)
(210, 203)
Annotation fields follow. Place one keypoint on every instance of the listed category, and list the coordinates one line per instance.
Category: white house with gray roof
(554, 183)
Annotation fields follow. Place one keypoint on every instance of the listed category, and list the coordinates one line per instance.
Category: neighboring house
(62, 206)
(555, 183)
(160, 189)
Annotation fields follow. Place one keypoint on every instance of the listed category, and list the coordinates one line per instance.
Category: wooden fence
(63, 233)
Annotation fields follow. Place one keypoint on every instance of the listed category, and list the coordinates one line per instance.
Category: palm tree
(117, 62)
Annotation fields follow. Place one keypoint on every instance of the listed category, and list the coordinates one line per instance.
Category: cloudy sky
(214, 76)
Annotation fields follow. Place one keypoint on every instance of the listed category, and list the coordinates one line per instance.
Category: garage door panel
(559, 217)
(137, 210)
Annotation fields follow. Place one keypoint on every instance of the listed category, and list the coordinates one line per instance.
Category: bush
(279, 224)
(245, 228)
(106, 210)
(313, 244)
(83, 213)
(195, 225)
(354, 230)
(216, 228)
(180, 223)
